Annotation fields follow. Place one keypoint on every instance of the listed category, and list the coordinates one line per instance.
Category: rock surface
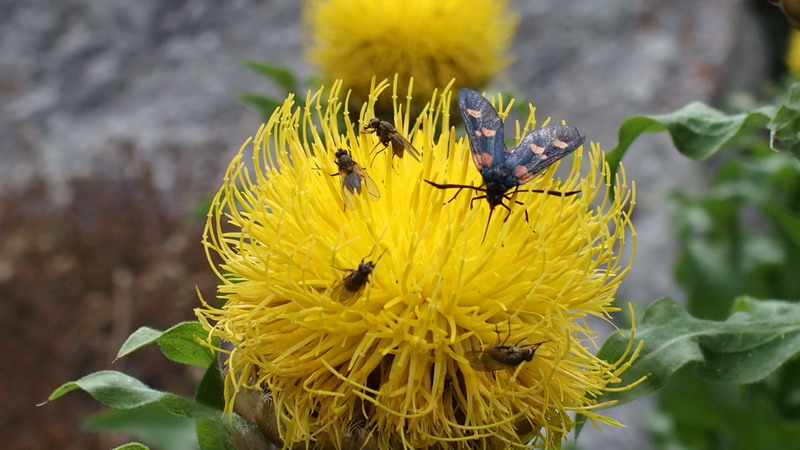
(118, 118)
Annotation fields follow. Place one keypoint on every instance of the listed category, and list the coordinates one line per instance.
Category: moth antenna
(549, 192)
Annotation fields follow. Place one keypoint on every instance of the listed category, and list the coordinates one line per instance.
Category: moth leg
(517, 189)
(526, 212)
(476, 198)
(509, 211)
(508, 197)
(454, 197)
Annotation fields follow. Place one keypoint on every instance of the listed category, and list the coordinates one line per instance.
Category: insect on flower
(349, 288)
(503, 170)
(387, 133)
(352, 175)
(501, 356)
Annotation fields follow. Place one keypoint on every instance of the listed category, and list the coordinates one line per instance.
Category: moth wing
(372, 188)
(540, 148)
(482, 360)
(484, 128)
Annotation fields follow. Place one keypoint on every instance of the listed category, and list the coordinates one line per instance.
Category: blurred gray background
(117, 119)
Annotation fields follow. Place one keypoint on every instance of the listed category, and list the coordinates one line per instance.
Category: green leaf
(697, 130)
(742, 236)
(211, 391)
(185, 343)
(132, 446)
(702, 412)
(211, 436)
(282, 76)
(121, 391)
(755, 340)
(140, 338)
(150, 423)
(181, 343)
(230, 435)
(785, 126)
(112, 388)
(264, 105)
(788, 221)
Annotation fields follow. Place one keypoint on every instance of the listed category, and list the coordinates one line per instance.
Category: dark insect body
(501, 169)
(352, 175)
(350, 287)
(387, 134)
(501, 356)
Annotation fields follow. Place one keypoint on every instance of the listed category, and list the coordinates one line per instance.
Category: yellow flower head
(435, 41)
(381, 319)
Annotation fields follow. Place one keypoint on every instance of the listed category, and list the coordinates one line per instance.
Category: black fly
(387, 134)
(352, 175)
(501, 356)
(349, 288)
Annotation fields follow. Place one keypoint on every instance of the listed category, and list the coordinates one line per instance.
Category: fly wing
(341, 294)
(399, 143)
(541, 148)
(351, 185)
(482, 360)
(484, 128)
(372, 188)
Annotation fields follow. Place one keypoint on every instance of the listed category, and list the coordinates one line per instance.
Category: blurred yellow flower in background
(793, 53)
(790, 9)
(387, 368)
(433, 41)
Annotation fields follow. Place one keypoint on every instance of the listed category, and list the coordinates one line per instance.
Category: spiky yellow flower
(388, 367)
(435, 41)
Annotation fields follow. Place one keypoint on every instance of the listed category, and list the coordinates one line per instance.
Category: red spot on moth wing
(474, 113)
(478, 133)
(560, 144)
(476, 158)
(482, 159)
(487, 132)
(536, 149)
(523, 174)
